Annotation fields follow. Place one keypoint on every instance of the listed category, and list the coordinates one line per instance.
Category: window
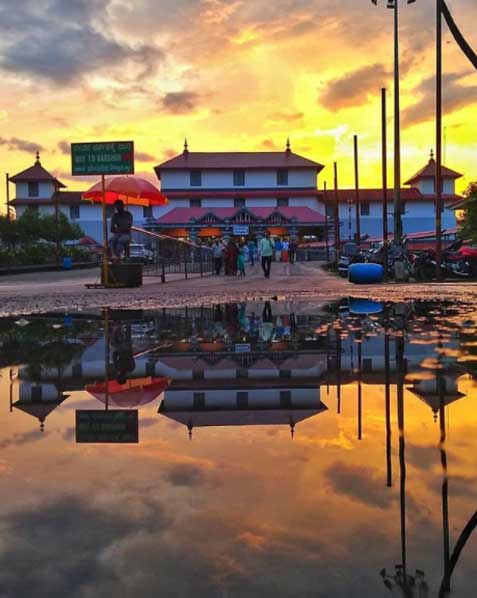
(195, 178)
(239, 202)
(195, 203)
(282, 202)
(33, 189)
(364, 208)
(242, 400)
(285, 399)
(239, 178)
(147, 212)
(199, 400)
(282, 176)
(74, 212)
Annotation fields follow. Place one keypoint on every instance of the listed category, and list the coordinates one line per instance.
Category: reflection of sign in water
(240, 230)
(118, 425)
(113, 157)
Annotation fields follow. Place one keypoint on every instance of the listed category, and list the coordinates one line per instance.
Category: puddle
(256, 449)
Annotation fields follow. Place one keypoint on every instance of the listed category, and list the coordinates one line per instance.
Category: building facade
(244, 194)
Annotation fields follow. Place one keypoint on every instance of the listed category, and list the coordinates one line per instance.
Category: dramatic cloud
(64, 147)
(180, 102)
(22, 145)
(354, 88)
(359, 483)
(20, 439)
(186, 474)
(59, 42)
(456, 95)
(144, 157)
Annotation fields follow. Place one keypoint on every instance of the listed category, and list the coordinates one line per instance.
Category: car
(138, 251)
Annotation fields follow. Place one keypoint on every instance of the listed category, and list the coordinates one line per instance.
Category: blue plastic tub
(365, 307)
(67, 263)
(365, 273)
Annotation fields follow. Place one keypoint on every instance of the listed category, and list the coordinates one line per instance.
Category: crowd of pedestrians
(231, 257)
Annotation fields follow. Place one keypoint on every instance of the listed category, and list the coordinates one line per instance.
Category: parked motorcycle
(457, 261)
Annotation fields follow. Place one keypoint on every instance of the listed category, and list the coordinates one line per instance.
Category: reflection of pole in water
(387, 402)
(402, 446)
(360, 391)
(338, 369)
(445, 481)
(106, 356)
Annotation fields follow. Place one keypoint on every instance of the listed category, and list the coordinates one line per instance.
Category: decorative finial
(37, 157)
(186, 146)
(42, 424)
(432, 155)
(190, 427)
(435, 415)
(292, 430)
(288, 145)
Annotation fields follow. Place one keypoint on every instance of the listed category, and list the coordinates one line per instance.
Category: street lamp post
(394, 4)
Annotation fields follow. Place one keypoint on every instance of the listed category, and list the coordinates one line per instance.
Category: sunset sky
(228, 75)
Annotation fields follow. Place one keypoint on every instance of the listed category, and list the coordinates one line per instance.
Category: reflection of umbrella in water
(133, 393)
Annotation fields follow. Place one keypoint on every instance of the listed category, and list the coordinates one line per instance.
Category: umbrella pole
(106, 356)
(105, 234)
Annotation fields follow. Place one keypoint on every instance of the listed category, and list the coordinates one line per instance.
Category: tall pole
(397, 133)
(7, 195)
(384, 160)
(336, 213)
(402, 448)
(438, 182)
(57, 238)
(445, 482)
(105, 233)
(360, 389)
(356, 187)
(387, 401)
(327, 246)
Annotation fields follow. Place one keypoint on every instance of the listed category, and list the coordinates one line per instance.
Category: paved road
(27, 293)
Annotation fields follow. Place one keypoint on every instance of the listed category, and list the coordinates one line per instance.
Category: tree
(469, 222)
(8, 231)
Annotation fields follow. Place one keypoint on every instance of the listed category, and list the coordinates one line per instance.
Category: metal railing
(173, 256)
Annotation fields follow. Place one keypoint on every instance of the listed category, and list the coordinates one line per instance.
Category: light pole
(394, 4)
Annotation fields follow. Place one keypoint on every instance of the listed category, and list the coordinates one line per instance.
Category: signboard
(242, 348)
(240, 230)
(111, 157)
(115, 426)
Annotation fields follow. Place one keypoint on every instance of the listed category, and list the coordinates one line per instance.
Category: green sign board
(114, 426)
(110, 157)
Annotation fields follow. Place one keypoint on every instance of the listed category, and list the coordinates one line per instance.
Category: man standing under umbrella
(121, 224)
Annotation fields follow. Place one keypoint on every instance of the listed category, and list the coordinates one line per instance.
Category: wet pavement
(281, 448)
(27, 293)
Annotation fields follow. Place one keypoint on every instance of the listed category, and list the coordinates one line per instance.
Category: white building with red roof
(214, 194)
(417, 199)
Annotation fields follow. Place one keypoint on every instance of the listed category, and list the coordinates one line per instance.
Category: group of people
(232, 256)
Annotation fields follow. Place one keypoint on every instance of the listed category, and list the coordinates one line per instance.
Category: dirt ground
(66, 291)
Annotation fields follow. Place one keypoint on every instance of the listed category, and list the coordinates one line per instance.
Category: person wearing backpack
(266, 252)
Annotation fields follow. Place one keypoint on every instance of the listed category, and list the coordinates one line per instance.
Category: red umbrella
(131, 189)
(131, 394)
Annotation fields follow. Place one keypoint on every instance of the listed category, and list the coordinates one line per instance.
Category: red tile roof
(231, 160)
(187, 215)
(35, 173)
(429, 170)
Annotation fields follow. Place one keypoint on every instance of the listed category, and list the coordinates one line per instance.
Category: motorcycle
(456, 261)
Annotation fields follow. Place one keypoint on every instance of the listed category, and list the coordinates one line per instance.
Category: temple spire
(186, 146)
(432, 155)
(288, 145)
(37, 161)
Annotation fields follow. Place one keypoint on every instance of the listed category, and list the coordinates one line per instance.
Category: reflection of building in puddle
(39, 400)
(441, 390)
(242, 406)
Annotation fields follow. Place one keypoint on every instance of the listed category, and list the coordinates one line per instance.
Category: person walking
(278, 249)
(292, 247)
(252, 248)
(241, 262)
(266, 252)
(231, 253)
(218, 253)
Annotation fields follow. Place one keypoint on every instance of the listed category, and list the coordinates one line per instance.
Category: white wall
(45, 190)
(223, 179)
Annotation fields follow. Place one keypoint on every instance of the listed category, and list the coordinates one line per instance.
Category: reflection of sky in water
(241, 510)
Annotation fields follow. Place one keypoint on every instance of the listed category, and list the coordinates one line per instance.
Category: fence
(172, 256)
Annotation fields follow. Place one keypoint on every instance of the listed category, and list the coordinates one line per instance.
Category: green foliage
(469, 222)
(32, 239)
